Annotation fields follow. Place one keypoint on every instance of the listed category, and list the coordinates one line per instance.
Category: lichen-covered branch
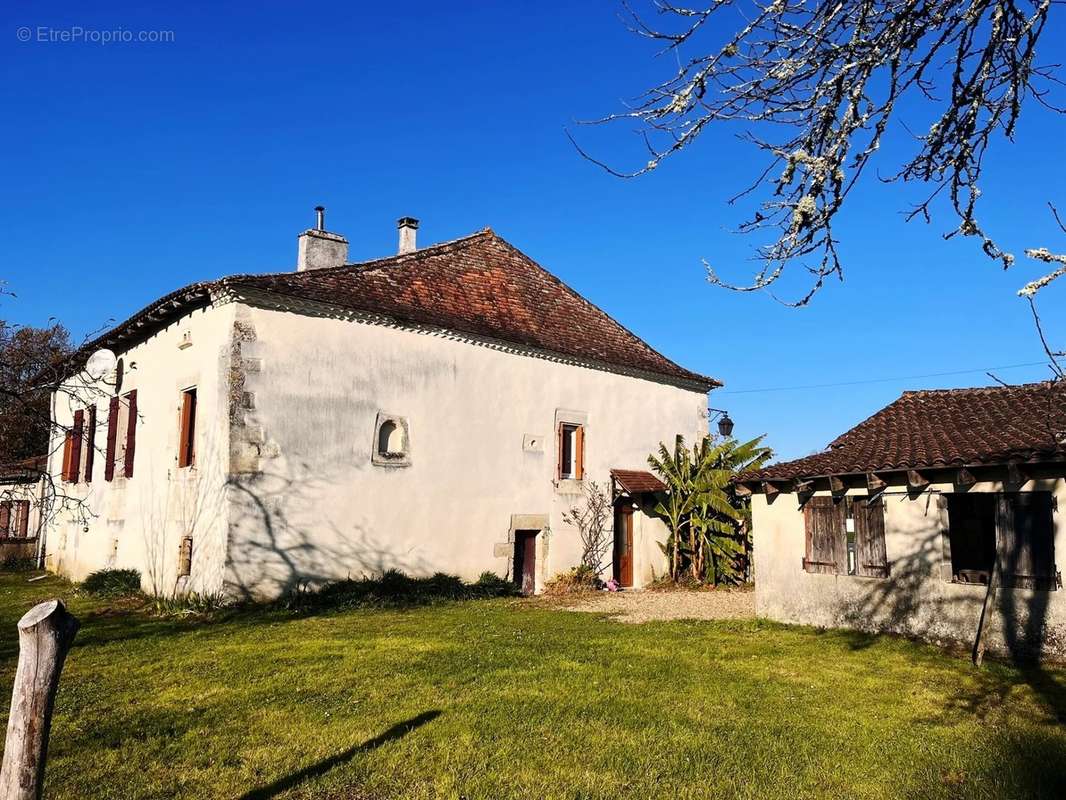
(816, 85)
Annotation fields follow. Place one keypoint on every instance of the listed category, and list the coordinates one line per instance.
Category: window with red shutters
(21, 524)
(112, 439)
(5, 518)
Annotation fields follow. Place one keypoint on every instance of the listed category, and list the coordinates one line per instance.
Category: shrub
(395, 589)
(582, 579)
(112, 583)
(19, 564)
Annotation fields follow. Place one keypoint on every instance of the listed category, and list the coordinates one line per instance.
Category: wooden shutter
(870, 555)
(68, 446)
(826, 546)
(187, 429)
(77, 433)
(131, 433)
(185, 557)
(90, 444)
(5, 517)
(579, 452)
(1026, 540)
(112, 439)
(22, 518)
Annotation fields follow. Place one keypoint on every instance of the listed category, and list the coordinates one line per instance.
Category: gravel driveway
(646, 606)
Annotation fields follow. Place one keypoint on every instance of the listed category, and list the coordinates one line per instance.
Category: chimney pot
(318, 248)
(408, 228)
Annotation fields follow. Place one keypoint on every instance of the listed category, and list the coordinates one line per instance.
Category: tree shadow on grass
(325, 765)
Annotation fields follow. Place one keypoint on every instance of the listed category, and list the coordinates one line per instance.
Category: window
(90, 444)
(187, 429)
(72, 448)
(1014, 531)
(121, 435)
(845, 536)
(571, 451)
(14, 518)
(392, 441)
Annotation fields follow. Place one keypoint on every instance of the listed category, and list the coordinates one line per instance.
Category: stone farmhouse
(438, 410)
(905, 521)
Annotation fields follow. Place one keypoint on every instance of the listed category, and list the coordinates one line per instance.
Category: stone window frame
(564, 416)
(391, 459)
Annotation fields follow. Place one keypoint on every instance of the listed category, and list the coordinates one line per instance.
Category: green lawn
(511, 699)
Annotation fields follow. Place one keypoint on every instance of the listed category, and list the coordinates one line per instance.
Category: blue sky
(131, 169)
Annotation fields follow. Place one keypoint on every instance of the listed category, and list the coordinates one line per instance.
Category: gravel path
(646, 606)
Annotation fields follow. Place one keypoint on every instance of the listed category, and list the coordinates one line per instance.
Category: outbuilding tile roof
(478, 285)
(944, 428)
(637, 481)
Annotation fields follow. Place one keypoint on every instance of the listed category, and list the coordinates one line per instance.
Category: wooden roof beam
(916, 480)
(963, 477)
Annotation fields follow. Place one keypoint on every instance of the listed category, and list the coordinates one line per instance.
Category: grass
(511, 699)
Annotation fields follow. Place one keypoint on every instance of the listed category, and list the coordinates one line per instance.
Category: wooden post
(45, 634)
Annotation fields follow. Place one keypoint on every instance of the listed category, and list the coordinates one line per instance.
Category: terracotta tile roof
(943, 428)
(478, 285)
(637, 481)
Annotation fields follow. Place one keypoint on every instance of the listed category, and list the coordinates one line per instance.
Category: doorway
(524, 573)
(623, 542)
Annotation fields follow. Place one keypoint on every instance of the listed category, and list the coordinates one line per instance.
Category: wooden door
(525, 561)
(623, 544)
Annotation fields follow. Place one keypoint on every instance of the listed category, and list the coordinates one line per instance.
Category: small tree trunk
(45, 635)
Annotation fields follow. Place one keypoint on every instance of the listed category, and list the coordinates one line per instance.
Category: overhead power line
(882, 380)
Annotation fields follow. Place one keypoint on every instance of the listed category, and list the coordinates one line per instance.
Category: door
(525, 561)
(623, 543)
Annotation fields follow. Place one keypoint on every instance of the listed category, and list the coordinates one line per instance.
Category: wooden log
(803, 487)
(836, 485)
(770, 490)
(46, 632)
(915, 479)
(743, 490)
(964, 477)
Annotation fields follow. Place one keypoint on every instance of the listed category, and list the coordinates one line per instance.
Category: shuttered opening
(187, 429)
(827, 535)
(112, 439)
(131, 433)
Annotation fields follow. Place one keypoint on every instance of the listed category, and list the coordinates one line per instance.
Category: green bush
(112, 583)
(395, 589)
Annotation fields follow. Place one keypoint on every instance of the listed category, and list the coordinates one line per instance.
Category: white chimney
(408, 228)
(318, 248)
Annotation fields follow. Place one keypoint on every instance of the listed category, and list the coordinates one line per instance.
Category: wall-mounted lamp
(725, 424)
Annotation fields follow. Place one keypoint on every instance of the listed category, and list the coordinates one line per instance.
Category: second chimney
(408, 229)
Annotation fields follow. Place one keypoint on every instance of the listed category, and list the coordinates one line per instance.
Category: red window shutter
(68, 441)
(579, 452)
(76, 435)
(90, 444)
(112, 438)
(5, 517)
(24, 519)
(187, 430)
(131, 432)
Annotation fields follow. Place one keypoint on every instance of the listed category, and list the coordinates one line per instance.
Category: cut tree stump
(45, 634)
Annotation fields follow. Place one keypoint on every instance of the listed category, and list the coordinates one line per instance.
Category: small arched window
(390, 439)
(392, 444)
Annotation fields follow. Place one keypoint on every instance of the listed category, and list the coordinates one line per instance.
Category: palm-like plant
(708, 520)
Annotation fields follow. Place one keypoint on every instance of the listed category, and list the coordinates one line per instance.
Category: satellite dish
(101, 364)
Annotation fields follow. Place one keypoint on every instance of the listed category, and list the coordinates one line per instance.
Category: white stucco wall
(915, 599)
(139, 522)
(309, 504)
